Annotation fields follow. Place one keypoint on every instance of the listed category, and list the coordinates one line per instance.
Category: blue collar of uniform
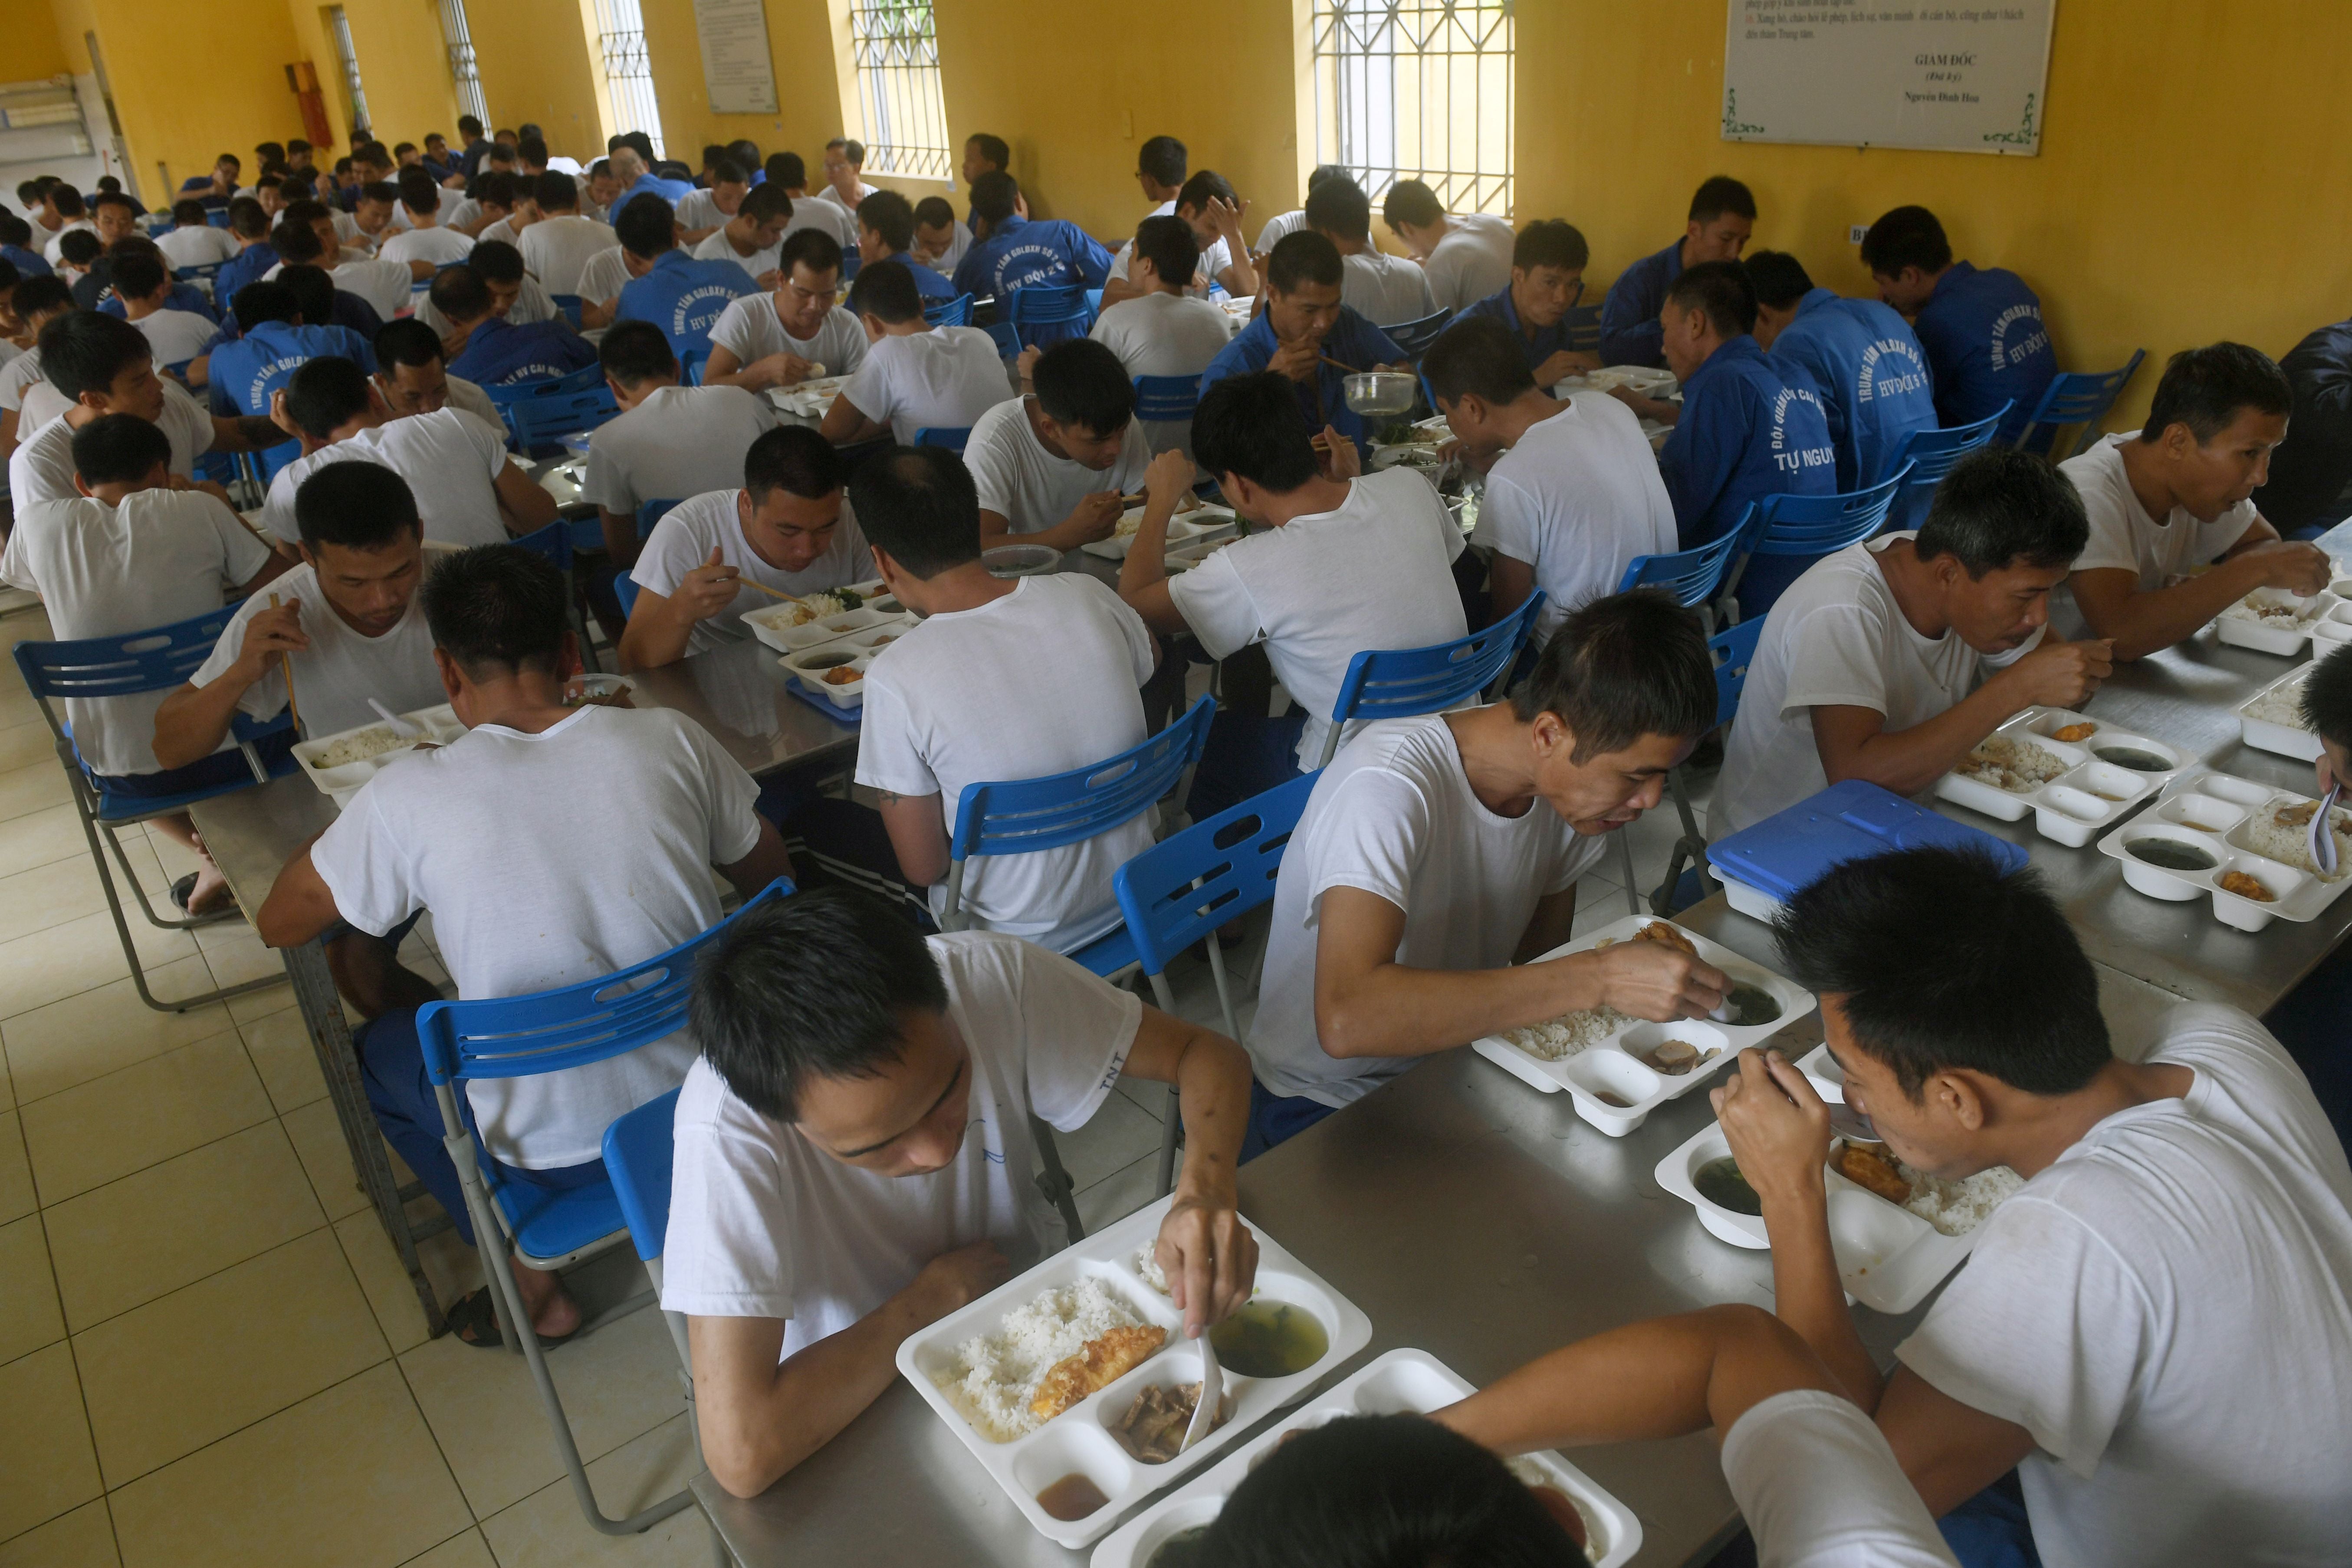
(676, 254)
(1814, 300)
(1012, 222)
(1741, 348)
(1957, 273)
(905, 259)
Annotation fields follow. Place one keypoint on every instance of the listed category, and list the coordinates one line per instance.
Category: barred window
(903, 111)
(1417, 89)
(464, 71)
(628, 70)
(348, 58)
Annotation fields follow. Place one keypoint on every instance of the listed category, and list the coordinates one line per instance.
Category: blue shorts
(1277, 1119)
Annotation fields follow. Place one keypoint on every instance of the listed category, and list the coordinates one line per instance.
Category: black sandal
(183, 889)
(475, 1321)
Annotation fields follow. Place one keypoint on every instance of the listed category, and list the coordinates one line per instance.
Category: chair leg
(122, 927)
(1626, 854)
(1692, 844)
(1054, 1181)
(146, 906)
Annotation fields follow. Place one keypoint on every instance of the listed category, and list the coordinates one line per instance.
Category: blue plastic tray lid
(1784, 854)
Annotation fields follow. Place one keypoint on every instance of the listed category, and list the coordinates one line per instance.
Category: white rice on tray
(2279, 705)
(359, 746)
(990, 1378)
(2291, 846)
(1956, 1208)
(1570, 1035)
(2255, 607)
(817, 607)
(2018, 766)
(1147, 1263)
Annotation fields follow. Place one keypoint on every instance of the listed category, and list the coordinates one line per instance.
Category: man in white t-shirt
(701, 214)
(413, 377)
(1466, 256)
(1160, 330)
(785, 530)
(1345, 566)
(1816, 1483)
(463, 831)
(1890, 661)
(752, 236)
(668, 442)
(35, 302)
(1054, 467)
(855, 1157)
(2152, 1330)
(192, 241)
(181, 338)
(128, 554)
(561, 242)
(468, 491)
(793, 334)
(384, 285)
(844, 187)
(424, 246)
(964, 699)
(915, 377)
(1208, 206)
(2175, 539)
(1386, 290)
(1574, 497)
(1438, 857)
(940, 239)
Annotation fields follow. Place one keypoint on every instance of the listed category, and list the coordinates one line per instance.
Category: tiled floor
(209, 1352)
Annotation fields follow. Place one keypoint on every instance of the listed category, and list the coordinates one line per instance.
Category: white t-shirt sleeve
(995, 471)
(1507, 521)
(736, 332)
(668, 555)
(887, 757)
(869, 390)
(1820, 1488)
(1081, 1027)
(1217, 605)
(1369, 837)
(730, 796)
(2045, 1328)
(488, 440)
(366, 868)
(265, 696)
(731, 1259)
(242, 555)
(1834, 662)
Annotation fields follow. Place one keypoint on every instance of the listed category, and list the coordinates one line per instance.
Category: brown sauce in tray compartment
(1072, 1497)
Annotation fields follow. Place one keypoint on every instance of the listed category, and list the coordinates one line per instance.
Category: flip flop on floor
(475, 1321)
(186, 886)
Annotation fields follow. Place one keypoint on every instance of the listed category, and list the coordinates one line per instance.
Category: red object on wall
(304, 83)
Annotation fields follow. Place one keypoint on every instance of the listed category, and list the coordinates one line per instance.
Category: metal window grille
(351, 63)
(629, 68)
(1417, 89)
(464, 71)
(903, 111)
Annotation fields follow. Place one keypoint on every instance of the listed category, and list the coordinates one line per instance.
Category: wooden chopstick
(285, 661)
(1335, 365)
(743, 582)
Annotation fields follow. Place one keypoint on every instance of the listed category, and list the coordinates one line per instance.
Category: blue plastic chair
(1023, 815)
(2075, 397)
(1926, 456)
(1733, 651)
(524, 1036)
(570, 305)
(952, 440)
(955, 312)
(1026, 310)
(1583, 323)
(1692, 575)
(641, 1157)
(538, 414)
(692, 365)
(650, 513)
(1393, 683)
(1804, 527)
(1167, 398)
(161, 659)
(1183, 889)
(1414, 337)
(625, 589)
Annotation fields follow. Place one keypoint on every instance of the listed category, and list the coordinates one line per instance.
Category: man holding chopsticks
(1306, 336)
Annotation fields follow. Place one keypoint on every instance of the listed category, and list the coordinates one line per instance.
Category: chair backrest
(1583, 323)
(1037, 306)
(953, 441)
(1166, 398)
(570, 304)
(955, 312)
(206, 270)
(640, 1156)
(691, 364)
(538, 412)
(1788, 524)
(651, 513)
(1926, 456)
(587, 378)
(1692, 577)
(160, 658)
(1023, 816)
(1186, 886)
(1733, 651)
(554, 541)
(1414, 337)
(571, 1026)
(2075, 397)
(1392, 683)
(625, 589)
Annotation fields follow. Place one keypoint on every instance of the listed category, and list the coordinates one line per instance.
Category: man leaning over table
(1722, 217)
(796, 333)
(668, 442)
(2195, 465)
(855, 1159)
(1308, 338)
(1438, 857)
(524, 899)
(1054, 467)
(2146, 1361)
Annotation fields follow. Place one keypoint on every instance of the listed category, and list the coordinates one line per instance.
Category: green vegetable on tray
(1400, 432)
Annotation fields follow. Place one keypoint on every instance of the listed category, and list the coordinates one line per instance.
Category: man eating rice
(2087, 1387)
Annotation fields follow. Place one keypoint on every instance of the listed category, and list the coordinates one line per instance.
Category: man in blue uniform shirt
(497, 351)
(1982, 331)
(249, 225)
(886, 227)
(1862, 359)
(1745, 430)
(1013, 252)
(2310, 468)
(276, 344)
(683, 296)
(1722, 217)
(1302, 331)
(632, 158)
(1548, 262)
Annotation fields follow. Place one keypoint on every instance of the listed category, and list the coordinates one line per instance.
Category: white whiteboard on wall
(1959, 77)
(736, 66)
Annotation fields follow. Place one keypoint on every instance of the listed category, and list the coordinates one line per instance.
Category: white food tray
(855, 651)
(591, 685)
(810, 398)
(2090, 794)
(1399, 1382)
(772, 625)
(2209, 811)
(1079, 1439)
(1183, 529)
(339, 785)
(1650, 381)
(2314, 616)
(1615, 1064)
(2268, 734)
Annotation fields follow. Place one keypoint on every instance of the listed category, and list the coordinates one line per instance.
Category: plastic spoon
(1212, 1395)
(2323, 836)
(400, 726)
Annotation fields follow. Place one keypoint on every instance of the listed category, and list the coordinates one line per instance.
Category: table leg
(330, 1038)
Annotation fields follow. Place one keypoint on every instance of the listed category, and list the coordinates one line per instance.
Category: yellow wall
(180, 111)
(404, 66)
(35, 50)
(2190, 185)
(800, 51)
(538, 64)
